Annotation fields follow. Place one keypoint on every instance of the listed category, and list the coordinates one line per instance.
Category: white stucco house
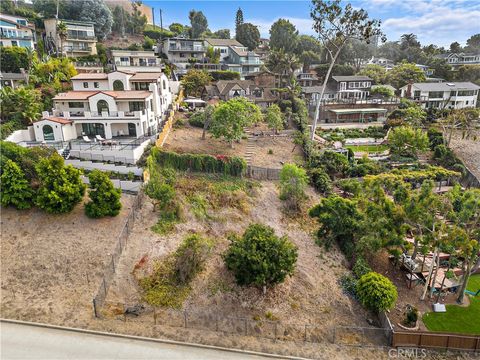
(114, 105)
(448, 95)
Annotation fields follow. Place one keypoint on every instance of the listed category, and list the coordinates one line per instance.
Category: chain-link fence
(247, 326)
(109, 272)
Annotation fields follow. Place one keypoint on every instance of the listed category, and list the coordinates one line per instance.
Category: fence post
(216, 322)
(154, 315)
(113, 260)
(305, 333)
(334, 335)
(275, 331)
(104, 287)
(185, 318)
(246, 326)
(95, 308)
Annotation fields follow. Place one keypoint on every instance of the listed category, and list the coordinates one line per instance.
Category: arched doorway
(102, 105)
(48, 133)
(132, 129)
(118, 85)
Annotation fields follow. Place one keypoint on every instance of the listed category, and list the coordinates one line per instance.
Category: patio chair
(99, 138)
(86, 139)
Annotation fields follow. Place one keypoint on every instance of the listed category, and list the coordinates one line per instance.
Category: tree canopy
(232, 116)
(248, 35)
(199, 24)
(283, 36)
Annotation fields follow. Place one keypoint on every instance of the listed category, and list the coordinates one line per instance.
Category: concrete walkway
(22, 341)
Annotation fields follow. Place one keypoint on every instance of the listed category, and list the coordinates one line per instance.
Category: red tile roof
(57, 120)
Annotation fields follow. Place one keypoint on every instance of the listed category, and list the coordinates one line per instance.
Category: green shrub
(435, 138)
(361, 267)
(225, 75)
(190, 257)
(260, 257)
(376, 292)
(349, 285)
(105, 199)
(293, 181)
(197, 119)
(60, 186)
(320, 180)
(233, 166)
(16, 190)
(411, 316)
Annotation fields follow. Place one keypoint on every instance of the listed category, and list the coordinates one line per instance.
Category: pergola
(357, 115)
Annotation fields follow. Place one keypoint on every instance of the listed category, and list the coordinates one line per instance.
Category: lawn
(367, 148)
(458, 319)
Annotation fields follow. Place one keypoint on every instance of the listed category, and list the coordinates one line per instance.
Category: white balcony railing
(89, 115)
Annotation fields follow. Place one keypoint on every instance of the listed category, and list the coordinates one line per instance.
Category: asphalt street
(19, 341)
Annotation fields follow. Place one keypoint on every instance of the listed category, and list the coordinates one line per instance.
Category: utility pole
(56, 27)
(153, 16)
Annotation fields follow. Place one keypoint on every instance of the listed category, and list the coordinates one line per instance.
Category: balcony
(127, 63)
(16, 36)
(81, 37)
(186, 48)
(77, 49)
(93, 115)
(251, 62)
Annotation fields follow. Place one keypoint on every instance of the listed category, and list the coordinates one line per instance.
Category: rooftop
(90, 76)
(56, 119)
(146, 76)
(444, 86)
(223, 42)
(357, 111)
(351, 78)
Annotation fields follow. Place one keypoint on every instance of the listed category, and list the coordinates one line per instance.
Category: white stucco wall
(22, 135)
(57, 130)
(78, 85)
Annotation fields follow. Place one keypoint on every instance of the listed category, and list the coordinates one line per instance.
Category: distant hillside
(127, 5)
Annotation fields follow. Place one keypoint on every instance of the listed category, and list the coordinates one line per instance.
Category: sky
(438, 22)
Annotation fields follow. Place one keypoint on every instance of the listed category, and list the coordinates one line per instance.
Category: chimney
(409, 89)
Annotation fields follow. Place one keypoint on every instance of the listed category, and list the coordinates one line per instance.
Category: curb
(154, 340)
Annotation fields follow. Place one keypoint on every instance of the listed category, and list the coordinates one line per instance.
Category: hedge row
(220, 164)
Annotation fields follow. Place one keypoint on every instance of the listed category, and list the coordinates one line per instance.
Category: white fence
(121, 169)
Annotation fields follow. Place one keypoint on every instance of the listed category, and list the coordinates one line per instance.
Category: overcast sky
(436, 21)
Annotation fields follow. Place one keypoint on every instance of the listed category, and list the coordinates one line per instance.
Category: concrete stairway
(89, 165)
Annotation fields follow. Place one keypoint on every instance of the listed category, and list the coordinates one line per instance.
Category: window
(48, 133)
(141, 85)
(14, 43)
(75, 105)
(96, 85)
(102, 106)
(466, 93)
(85, 84)
(136, 105)
(435, 94)
(118, 85)
(124, 59)
(93, 129)
(164, 83)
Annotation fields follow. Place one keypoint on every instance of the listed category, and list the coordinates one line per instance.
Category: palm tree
(276, 63)
(409, 40)
(62, 32)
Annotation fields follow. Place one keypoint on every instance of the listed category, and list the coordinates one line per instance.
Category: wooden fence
(169, 123)
(436, 340)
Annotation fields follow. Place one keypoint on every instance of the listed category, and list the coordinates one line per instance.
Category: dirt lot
(51, 265)
(469, 151)
(45, 266)
(255, 149)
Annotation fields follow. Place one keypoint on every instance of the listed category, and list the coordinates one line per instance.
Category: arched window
(48, 133)
(102, 105)
(118, 85)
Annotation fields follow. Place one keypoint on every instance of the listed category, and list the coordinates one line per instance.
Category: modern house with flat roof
(107, 106)
(182, 52)
(443, 95)
(222, 46)
(80, 40)
(340, 89)
(16, 31)
(136, 61)
(242, 60)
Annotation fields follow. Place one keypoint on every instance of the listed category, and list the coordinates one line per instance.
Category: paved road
(20, 341)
